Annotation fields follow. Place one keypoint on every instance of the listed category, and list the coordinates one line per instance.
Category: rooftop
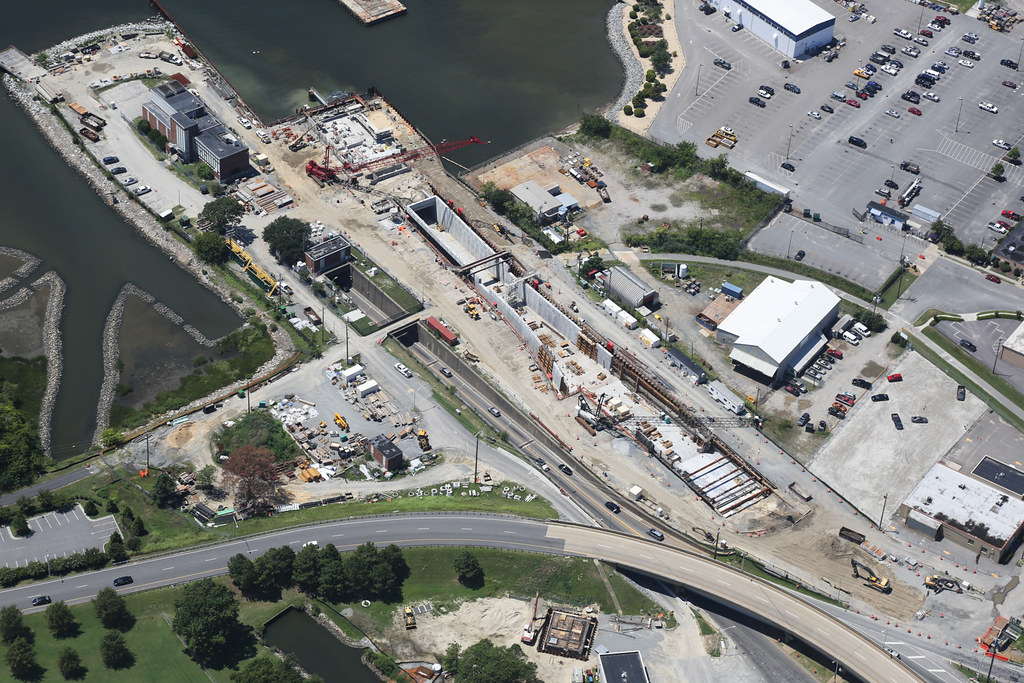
(778, 315)
(1015, 342)
(796, 16)
(568, 633)
(334, 244)
(534, 195)
(627, 667)
(967, 504)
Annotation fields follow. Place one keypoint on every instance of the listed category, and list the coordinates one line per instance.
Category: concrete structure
(545, 206)
(793, 27)
(778, 328)
(627, 667)
(328, 255)
(766, 185)
(388, 455)
(567, 634)
(1012, 350)
(628, 288)
(195, 133)
(973, 514)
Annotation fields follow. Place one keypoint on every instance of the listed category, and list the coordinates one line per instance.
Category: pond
(318, 651)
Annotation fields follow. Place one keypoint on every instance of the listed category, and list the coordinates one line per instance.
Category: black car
(804, 419)
(768, 89)
(971, 54)
(862, 383)
(919, 420)
(565, 469)
(722, 63)
(896, 63)
(878, 59)
(912, 97)
(119, 170)
(41, 600)
(961, 392)
(446, 372)
(822, 426)
(540, 462)
(889, 48)
(788, 166)
(828, 109)
(880, 397)
(757, 101)
(123, 580)
(925, 82)
(737, 27)
(792, 88)
(897, 422)
(107, 161)
(1008, 63)
(835, 412)
(800, 255)
(892, 183)
(614, 507)
(969, 345)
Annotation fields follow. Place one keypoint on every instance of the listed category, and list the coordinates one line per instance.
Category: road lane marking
(337, 535)
(724, 583)
(166, 568)
(915, 657)
(382, 531)
(792, 615)
(821, 630)
(465, 528)
(421, 528)
(210, 560)
(508, 532)
(937, 671)
(84, 585)
(858, 654)
(762, 598)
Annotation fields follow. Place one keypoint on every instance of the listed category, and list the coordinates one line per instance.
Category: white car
(921, 41)
(966, 62)
(953, 51)
(244, 122)
(1001, 144)
(931, 96)
(727, 129)
(988, 106)
(814, 115)
(912, 51)
(941, 64)
(141, 190)
(935, 26)
(893, 113)
(972, 35)
(890, 69)
(404, 370)
(131, 181)
(765, 94)
(997, 228)
(902, 33)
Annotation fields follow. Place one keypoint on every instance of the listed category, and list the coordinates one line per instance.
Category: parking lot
(948, 286)
(951, 140)
(56, 534)
(987, 336)
(989, 437)
(866, 457)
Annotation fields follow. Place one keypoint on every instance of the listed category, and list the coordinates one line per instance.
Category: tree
(661, 59)
(594, 125)
(115, 548)
(306, 569)
(19, 525)
(206, 616)
(111, 609)
(137, 527)
(998, 170)
(163, 491)
(1013, 154)
(216, 189)
(450, 658)
(268, 669)
(211, 248)
(485, 663)
(114, 652)
(251, 473)
(90, 509)
(21, 658)
(111, 437)
(223, 214)
(468, 569)
(286, 238)
(873, 321)
(11, 625)
(69, 663)
(274, 567)
(61, 621)
(334, 584)
(206, 475)
(144, 127)
(21, 456)
(242, 574)
(205, 172)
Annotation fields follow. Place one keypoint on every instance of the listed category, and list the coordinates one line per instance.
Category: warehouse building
(545, 206)
(778, 328)
(1012, 350)
(193, 132)
(947, 504)
(793, 27)
(628, 288)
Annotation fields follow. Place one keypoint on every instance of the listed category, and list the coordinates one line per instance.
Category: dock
(20, 65)
(373, 11)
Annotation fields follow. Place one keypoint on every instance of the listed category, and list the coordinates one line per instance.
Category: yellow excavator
(943, 583)
(879, 584)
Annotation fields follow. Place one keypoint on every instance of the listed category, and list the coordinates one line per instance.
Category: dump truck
(879, 584)
(410, 619)
(421, 437)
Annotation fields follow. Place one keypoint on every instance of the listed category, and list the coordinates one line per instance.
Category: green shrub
(639, 113)
(627, 110)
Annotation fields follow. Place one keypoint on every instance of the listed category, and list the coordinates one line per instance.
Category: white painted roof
(961, 499)
(795, 15)
(778, 315)
(1015, 341)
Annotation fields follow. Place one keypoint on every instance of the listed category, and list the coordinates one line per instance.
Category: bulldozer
(421, 437)
(943, 583)
(410, 619)
(879, 584)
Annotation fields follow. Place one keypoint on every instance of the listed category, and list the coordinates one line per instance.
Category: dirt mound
(833, 547)
(181, 435)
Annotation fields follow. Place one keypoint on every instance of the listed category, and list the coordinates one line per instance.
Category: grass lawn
(713, 276)
(897, 290)
(559, 579)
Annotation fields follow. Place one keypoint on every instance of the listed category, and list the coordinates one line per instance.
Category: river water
(317, 650)
(505, 71)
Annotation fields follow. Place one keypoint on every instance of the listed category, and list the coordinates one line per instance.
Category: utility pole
(885, 499)
(248, 403)
(790, 144)
(476, 459)
(147, 450)
(716, 543)
(956, 129)
(999, 347)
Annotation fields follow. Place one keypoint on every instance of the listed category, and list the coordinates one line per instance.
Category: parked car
(800, 255)
(792, 88)
(119, 170)
(920, 41)
(835, 353)
(988, 106)
(892, 183)
(931, 96)
(862, 383)
(895, 377)
(971, 54)
(737, 27)
(893, 113)
(788, 166)
(961, 392)
(919, 420)
(966, 62)
(969, 345)
(953, 51)
(1010, 84)
(141, 190)
(107, 161)
(914, 110)
(927, 33)
(897, 421)
(756, 101)
(403, 370)
(1009, 63)
(879, 397)
(804, 419)
(129, 181)
(828, 109)
(792, 389)
(1012, 215)
(722, 63)
(995, 227)
(814, 115)
(993, 278)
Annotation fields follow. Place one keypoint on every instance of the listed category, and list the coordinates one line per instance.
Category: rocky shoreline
(134, 213)
(632, 70)
(53, 347)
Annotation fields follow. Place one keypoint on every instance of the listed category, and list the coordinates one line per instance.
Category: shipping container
(447, 335)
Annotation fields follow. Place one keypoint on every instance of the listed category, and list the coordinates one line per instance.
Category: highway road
(761, 599)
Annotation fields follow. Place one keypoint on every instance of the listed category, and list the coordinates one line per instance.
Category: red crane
(325, 172)
(412, 155)
(529, 634)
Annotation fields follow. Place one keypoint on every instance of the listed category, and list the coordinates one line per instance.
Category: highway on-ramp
(747, 593)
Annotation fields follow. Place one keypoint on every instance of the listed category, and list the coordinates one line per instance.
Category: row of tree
(367, 573)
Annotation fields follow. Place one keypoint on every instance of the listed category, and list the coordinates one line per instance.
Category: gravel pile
(632, 70)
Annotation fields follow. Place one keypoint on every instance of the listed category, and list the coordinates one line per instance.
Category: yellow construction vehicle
(421, 436)
(323, 427)
(879, 584)
(943, 583)
(341, 422)
(410, 619)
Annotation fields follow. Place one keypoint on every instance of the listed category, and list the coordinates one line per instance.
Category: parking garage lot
(951, 140)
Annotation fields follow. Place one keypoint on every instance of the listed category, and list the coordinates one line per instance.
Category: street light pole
(885, 499)
(716, 543)
(1021, 51)
(476, 459)
(696, 88)
(790, 245)
(893, 174)
(790, 143)
(957, 128)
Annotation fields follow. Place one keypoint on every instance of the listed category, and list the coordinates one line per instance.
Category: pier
(374, 11)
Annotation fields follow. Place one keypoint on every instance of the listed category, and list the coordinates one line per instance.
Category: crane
(529, 634)
(879, 584)
(412, 155)
(324, 172)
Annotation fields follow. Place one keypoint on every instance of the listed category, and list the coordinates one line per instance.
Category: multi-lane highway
(765, 601)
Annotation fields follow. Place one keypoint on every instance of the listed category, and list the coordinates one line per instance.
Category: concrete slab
(867, 458)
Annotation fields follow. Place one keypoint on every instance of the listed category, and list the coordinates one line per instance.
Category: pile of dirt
(833, 547)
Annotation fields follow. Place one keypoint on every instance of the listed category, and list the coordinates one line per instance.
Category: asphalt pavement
(64, 479)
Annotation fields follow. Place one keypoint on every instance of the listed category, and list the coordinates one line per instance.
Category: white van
(851, 338)
(933, 74)
(864, 331)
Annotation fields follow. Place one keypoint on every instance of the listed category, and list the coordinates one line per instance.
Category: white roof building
(533, 195)
(793, 27)
(778, 328)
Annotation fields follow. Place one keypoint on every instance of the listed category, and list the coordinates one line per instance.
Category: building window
(970, 541)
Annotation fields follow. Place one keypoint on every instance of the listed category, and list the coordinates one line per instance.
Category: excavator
(943, 583)
(879, 584)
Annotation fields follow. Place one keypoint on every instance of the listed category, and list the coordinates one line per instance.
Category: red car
(895, 378)
(835, 353)
(939, 19)
(1004, 225)
(793, 390)
(915, 111)
(1012, 215)
(844, 399)
(993, 278)
(853, 103)
(1010, 84)
(927, 33)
